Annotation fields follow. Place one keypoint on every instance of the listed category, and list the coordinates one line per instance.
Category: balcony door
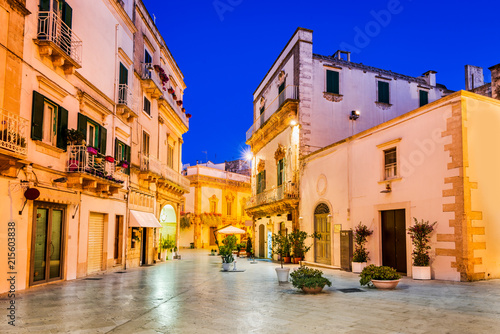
(47, 243)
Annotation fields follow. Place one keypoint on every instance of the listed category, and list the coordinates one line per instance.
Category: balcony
(124, 105)
(13, 134)
(276, 200)
(92, 171)
(152, 170)
(151, 80)
(290, 93)
(57, 41)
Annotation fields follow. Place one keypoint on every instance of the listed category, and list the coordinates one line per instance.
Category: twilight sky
(225, 47)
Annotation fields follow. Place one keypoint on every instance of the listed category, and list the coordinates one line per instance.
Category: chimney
(343, 55)
(474, 77)
(430, 77)
(495, 81)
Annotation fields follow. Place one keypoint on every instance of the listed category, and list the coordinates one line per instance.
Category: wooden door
(262, 239)
(394, 239)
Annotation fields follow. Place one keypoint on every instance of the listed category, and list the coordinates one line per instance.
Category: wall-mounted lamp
(387, 189)
(293, 122)
(354, 115)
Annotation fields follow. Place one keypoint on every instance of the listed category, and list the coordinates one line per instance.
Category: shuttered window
(49, 121)
(332, 82)
(261, 182)
(147, 106)
(97, 137)
(281, 174)
(383, 92)
(424, 97)
(122, 153)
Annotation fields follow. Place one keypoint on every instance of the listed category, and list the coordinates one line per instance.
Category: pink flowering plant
(361, 234)
(420, 236)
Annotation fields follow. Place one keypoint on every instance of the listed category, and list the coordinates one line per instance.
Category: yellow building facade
(217, 199)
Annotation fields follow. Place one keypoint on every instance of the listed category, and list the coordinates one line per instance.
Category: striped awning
(143, 219)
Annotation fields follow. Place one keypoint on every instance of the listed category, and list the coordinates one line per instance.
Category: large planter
(357, 267)
(296, 260)
(287, 259)
(225, 266)
(421, 272)
(317, 289)
(282, 274)
(383, 284)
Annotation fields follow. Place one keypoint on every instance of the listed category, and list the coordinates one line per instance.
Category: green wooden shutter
(127, 155)
(67, 14)
(62, 128)
(383, 92)
(37, 116)
(263, 180)
(424, 97)
(332, 82)
(102, 139)
(44, 5)
(82, 125)
(116, 149)
(281, 88)
(259, 176)
(123, 75)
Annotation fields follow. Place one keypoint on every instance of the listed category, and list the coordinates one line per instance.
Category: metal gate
(95, 245)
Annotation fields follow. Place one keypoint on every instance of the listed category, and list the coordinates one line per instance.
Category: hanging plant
(185, 220)
(179, 103)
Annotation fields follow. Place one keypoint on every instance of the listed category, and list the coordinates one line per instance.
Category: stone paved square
(192, 296)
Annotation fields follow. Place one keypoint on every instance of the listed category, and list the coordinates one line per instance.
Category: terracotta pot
(357, 267)
(287, 259)
(296, 260)
(423, 273)
(317, 289)
(383, 284)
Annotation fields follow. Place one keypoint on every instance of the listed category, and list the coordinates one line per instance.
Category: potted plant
(381, 277)
(279, 242)
(170, 90)
(174, 96)
(298, 244)
(166, 244)
(109, 158)
(92, 150)
(179, 103)
(226, 251)
(123, 164)
(420, 237)
(188, 116)
(360, 255)
(74, 137)
(309, 280)
(249, 247)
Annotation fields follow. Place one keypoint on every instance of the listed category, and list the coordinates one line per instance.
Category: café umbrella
(231, 230)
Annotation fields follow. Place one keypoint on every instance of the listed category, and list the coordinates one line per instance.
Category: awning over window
(143, 219)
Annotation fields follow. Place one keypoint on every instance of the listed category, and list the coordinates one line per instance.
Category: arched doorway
(168, 221)
(262, 239)
(322, 246)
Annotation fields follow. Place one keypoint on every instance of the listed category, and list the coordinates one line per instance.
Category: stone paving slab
(192, 296)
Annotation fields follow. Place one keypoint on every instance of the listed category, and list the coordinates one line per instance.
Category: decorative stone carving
(332, 97)
(262, 102)
(281, 77)
(280, 153)
(261, 165)
(321, 185)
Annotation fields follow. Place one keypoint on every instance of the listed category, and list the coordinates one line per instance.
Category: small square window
(424, 97)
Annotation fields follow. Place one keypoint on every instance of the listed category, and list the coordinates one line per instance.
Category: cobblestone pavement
(192, 296)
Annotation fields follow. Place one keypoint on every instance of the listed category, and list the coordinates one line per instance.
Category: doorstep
(320, 265)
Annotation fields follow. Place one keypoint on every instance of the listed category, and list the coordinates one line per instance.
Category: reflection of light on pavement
(250, 322)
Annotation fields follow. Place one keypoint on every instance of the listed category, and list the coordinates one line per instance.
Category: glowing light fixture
(354, 115)
(293, 122)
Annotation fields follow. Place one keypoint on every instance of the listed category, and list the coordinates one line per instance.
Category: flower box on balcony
(183, 110)
(179, 103)
(73, 165)
(109, 159)
(188, 116)
(170, 90)
(123, 164)
(174, 97)
(92, 150)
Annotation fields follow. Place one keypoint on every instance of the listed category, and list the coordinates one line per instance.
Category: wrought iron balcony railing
(13, 132)
(52, 28)
(289, 93)
(285, 191)
(123, 94)
(81, 160)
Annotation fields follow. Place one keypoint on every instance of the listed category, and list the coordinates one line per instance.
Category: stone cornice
(204, 180)
(273, 208)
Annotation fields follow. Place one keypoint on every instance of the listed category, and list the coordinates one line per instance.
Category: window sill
(399, 178)
(48, 149)
(149, 115)
(383, 105)
(333, 97)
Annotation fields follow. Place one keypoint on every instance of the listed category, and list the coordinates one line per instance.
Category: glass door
(47, 244)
